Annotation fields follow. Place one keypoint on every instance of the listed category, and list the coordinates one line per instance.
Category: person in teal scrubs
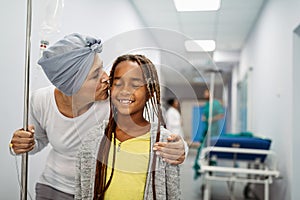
(217, 114)
(216, 127)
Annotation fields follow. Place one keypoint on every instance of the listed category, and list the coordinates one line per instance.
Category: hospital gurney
(234, 159)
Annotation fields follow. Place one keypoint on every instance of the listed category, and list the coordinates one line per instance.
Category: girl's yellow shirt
(130, 172)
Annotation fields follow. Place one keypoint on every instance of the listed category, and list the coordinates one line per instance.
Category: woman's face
(95, 86)
(129, 91)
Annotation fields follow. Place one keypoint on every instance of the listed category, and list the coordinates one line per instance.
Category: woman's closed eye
(96, 73)
(96, 76)
(117, 83)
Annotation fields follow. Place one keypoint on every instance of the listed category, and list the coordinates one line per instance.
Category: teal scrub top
(217, 109)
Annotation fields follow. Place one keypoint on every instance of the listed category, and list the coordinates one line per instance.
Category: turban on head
(68, 62)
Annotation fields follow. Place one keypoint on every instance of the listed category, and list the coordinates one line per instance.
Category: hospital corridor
(150, 99)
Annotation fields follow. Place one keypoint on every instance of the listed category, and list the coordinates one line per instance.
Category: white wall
(102, 18)
(269, 52)
(11, 78)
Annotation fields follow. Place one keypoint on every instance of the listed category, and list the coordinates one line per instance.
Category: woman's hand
(22, 141)
(172, 151)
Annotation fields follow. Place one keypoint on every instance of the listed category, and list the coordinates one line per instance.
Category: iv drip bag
(52, 17)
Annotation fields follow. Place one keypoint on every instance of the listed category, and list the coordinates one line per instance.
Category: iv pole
(24, 165)
(211, 97)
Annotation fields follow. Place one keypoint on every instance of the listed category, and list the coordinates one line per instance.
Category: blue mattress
(240, 142)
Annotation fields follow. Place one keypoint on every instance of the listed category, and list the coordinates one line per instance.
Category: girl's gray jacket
(167, 183)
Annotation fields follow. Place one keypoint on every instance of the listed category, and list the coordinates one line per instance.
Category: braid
(100, 185)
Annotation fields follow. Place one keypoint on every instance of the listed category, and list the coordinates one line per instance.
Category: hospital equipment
(49, 25)
(235, 158)
(51, 21)
(246, 160)
(24, 164)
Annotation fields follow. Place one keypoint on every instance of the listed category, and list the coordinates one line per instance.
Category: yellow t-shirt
(131, 165)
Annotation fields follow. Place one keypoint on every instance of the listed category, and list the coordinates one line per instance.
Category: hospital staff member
(217, 115)
(173, 117)
(61, 114)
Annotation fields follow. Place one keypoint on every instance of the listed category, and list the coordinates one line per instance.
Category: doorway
(296, 113)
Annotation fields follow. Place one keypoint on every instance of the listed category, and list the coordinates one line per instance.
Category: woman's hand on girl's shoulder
(172, 151)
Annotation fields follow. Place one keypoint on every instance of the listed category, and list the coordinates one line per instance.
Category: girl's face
(94, 88)
(129, 91)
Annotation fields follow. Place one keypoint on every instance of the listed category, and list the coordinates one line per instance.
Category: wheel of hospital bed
(249, 193)
(202, 191)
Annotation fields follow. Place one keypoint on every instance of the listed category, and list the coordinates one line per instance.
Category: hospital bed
(247, 160)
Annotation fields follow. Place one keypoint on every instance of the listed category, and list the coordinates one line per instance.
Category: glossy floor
(191, 189)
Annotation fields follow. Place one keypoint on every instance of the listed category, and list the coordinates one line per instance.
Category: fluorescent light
(197, 5)
(226, 56)
(200, 45)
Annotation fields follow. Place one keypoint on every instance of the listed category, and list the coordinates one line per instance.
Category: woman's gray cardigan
(167, 184)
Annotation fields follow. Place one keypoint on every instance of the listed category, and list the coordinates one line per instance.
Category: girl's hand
(172, 151)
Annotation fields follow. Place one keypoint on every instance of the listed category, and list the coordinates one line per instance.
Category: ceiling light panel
(200, 45)
(197, 5)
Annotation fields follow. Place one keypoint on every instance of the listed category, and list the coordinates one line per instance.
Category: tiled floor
(191, 188)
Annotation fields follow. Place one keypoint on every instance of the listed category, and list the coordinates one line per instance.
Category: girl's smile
(125, 101)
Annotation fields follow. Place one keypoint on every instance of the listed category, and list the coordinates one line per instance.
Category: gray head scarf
(68, 62)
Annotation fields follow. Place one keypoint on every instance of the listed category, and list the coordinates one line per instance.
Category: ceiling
(229, 27)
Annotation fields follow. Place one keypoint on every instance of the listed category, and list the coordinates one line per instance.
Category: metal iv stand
(24, 164)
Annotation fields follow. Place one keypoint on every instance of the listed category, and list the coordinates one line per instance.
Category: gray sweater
(167, 183)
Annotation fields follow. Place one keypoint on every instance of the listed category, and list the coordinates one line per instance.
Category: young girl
(116, 160)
